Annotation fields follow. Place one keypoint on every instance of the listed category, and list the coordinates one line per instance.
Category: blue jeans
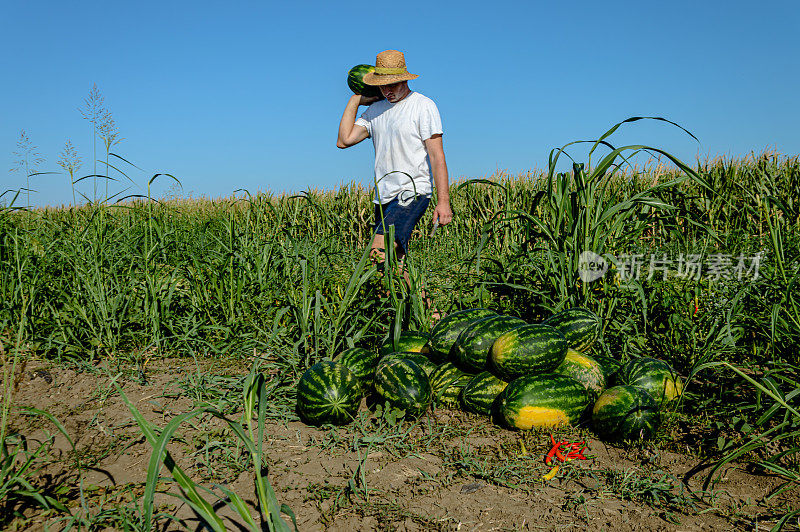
(402, 217)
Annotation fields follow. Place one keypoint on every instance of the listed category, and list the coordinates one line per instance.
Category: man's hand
(368, 100)
(443, 213)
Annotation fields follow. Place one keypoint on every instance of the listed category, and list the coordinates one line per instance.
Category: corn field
(221, 277)
(290, 278)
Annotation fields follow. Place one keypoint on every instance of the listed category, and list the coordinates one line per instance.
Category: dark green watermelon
(446, 331)
(408, 341)
(625, 413)
(611, 367)
(447, 381)
(471, 349)
(404, 385)
(584, 369)
(542, 401)
(427, 365)
(362, 363)
(527, 350)
(355, 80)
(654, 376)
(328, 392)
(480, 393)
(580, 326)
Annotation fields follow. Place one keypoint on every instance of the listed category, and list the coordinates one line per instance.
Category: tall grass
(27, 160)
(255, 403)
(21, 460)
(290, 277)
(218, 275)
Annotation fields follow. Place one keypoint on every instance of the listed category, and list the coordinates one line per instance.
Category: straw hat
(390, 67)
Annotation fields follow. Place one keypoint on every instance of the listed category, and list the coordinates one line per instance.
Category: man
(406, 131)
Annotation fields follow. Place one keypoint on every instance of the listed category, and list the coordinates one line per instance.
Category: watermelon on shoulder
(328, 392)
(355, 80)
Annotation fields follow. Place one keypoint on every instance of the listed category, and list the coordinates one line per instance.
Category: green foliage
(290, 278)
(391, 415)
(20, 463)
(255, 404)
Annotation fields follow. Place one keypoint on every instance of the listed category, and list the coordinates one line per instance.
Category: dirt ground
(449, 471)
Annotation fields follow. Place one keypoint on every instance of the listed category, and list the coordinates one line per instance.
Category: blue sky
(248, 95)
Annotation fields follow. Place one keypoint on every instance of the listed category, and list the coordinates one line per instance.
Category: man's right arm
(349, 133)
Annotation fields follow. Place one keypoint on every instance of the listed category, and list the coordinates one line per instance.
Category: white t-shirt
(399, 131)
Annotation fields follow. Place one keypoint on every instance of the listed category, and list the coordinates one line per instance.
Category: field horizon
(121, 323)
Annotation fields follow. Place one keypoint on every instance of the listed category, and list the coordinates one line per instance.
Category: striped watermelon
(361, 362)
(471, 349)
(584, 369)
(480, 393)
(427, 365)
(625, 413)
(446, 331)
(328, 392)
(580, 327)
(355, 80)
(527, 350)
(447, 381)
(611, 367)
(404, 385)
(541, 401)
(408, 342)
(654, 376)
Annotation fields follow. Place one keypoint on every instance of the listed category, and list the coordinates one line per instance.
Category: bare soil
(449, 471)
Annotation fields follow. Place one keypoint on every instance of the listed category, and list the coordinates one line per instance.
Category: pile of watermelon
(524, 375)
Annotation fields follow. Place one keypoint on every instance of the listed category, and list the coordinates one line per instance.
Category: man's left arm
(443, 213)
